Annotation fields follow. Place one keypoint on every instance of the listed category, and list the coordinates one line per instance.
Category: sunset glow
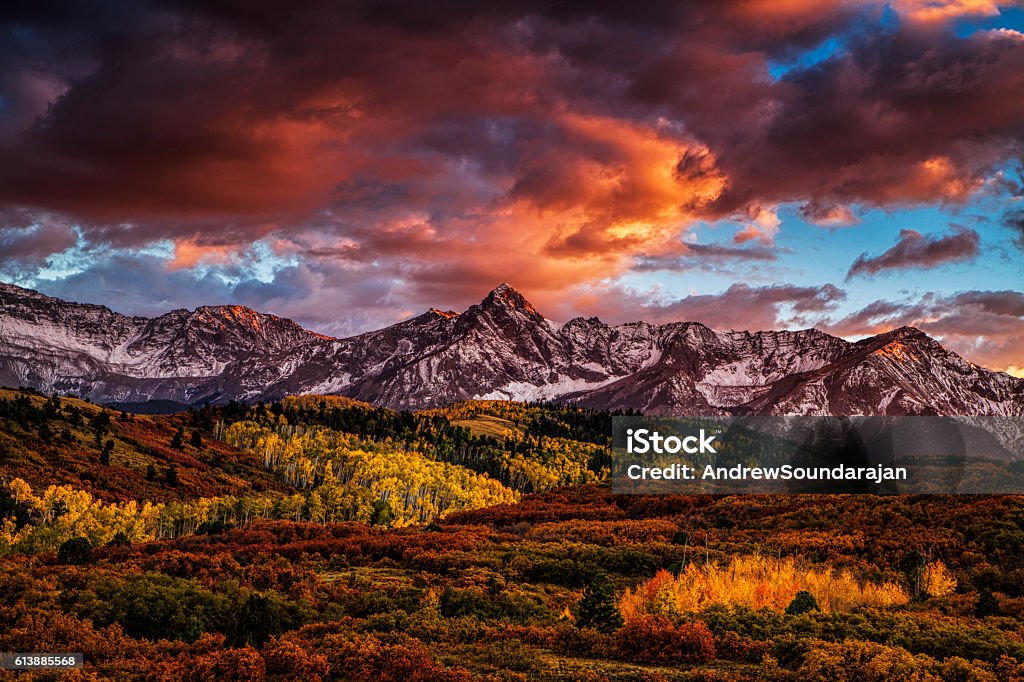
(853, 166)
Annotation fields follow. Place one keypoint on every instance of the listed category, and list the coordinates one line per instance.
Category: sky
(756, 164)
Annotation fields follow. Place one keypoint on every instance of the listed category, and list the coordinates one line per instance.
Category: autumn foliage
(656, 639)
(756, 582)
(334, 540)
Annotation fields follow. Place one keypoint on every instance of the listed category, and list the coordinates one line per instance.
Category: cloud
(25, 243)
(740, 307)
(1014, 219)
(828, 215)
(703, 255)
(35, 241)
(894, 118)
(205, 111)
(931, 11)
(763, 226)
(914, 250)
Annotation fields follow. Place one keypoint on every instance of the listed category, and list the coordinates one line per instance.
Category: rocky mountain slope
(501, 348)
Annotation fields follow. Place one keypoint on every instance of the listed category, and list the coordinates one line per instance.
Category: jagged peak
(248, 318)
(905, 334)
(811, 333)
(903, 344)
(580, 321)
(236, 314)
(506, 296)
(908, 332)
(229, 311)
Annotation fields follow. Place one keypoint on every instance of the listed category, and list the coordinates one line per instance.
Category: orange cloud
(933, 11)
(829, 215)
(618, 186)
(763, 226)
(188, 253)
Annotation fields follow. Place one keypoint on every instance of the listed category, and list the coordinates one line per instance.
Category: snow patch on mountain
(524, 391)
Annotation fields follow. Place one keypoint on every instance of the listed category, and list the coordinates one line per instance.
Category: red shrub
(655, 639)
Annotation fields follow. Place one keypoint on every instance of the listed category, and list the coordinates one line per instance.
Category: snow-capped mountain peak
(499, 348)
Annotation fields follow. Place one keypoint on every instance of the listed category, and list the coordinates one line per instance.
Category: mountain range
(501, 348)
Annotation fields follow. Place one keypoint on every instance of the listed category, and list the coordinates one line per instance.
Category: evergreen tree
(803, 602)
(597, 607)
(178, 442)
(75, 551)
(382, 514)
(108, 449)
(75, 416)
(912, 565)
(101, 422)
(196, 440)
(120, 539)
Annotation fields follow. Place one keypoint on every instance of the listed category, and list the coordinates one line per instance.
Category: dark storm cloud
(915, 250)
(23, 248)
(188, 108)
(903, 117)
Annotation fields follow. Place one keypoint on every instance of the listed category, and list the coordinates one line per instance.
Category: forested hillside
(529, 447)
(70, 469)
(119, 456)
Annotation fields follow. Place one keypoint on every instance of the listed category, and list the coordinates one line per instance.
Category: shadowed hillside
(118, 456)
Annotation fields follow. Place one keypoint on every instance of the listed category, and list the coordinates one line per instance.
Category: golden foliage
(756, 581)
(328, 464)
(61, 513)
(937, 580)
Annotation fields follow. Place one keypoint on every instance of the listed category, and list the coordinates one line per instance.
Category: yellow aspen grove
(758, 582)
(412, 487)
